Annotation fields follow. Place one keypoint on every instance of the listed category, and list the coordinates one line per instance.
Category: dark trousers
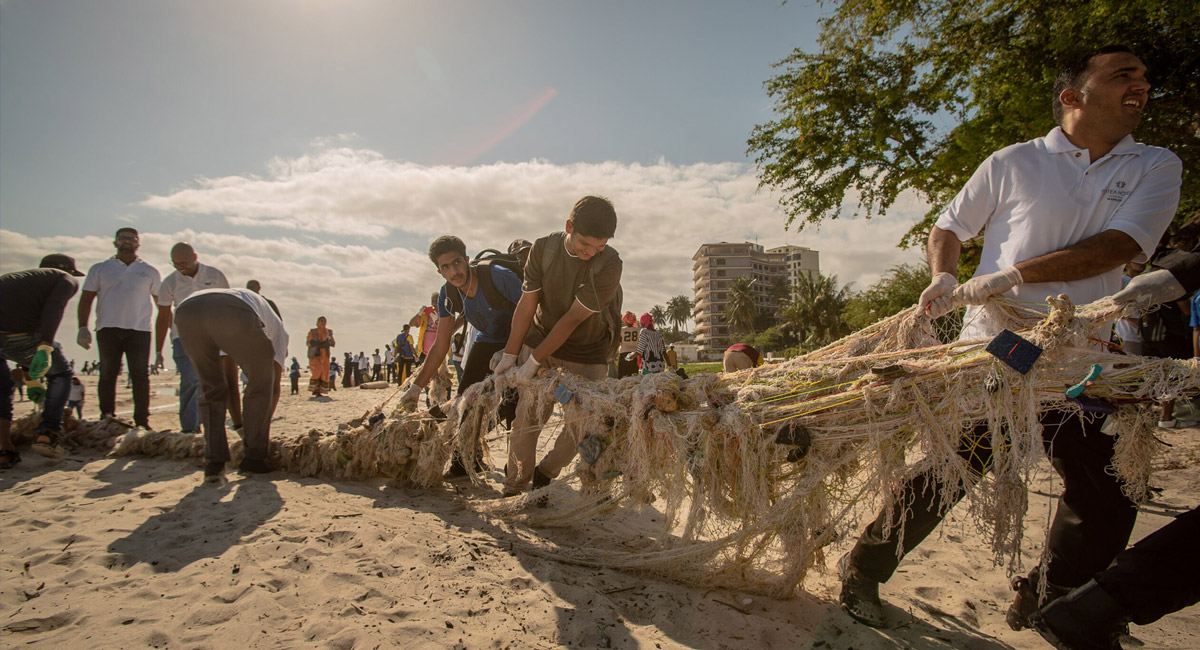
(478, 364)
(295, 385)
(358, 375)
(1091, 524)
(376, 369)
(1160, 574)
(207, 325)
(134, 345)
(406, 367)
(626, 367)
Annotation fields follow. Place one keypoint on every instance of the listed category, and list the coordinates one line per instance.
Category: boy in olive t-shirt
(570, 279)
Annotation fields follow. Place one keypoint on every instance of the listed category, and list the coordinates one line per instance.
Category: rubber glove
(84, 339)
(41, 361)
(1149, 289)
(35, 390)
(529, 368)
(408, 400)
(938, 297)
(977, 290)
(504, 364)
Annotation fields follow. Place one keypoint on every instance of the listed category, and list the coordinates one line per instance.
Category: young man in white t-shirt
(1062, 214)
(125, 290)
(188, 277)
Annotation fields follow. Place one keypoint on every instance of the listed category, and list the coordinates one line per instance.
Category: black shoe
(213, 471)
(860, 595)
(255, 466)
(540, 481)
(457, 469)
(1085, 619)
(1026, 602)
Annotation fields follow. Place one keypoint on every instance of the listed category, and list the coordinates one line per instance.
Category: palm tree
(659, 314)
(679, 311)
(742, 308)
(815, 310)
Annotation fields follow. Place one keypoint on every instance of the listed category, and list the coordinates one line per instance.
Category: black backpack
(482, 264)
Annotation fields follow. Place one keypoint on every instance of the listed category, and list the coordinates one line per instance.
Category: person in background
(672, 358)
(456, 357)
(364, 368)
(627, 365)
(426, 322)
(376, 366)
(348, 371)
(741, 356)
(389, 363)
(294, 375)
(650, 352)
(1127, 330)
(320, 340)
(75, 400)
(334, 371)
(404, 341)
(256, 287)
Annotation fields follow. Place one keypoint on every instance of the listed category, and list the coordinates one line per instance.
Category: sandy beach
(104, 552)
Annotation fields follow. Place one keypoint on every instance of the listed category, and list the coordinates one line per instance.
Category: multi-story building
(716, 266)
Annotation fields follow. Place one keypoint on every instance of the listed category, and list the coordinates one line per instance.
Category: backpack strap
(484, 272)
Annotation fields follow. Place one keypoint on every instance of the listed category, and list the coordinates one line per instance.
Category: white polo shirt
(124, 293)
(177, 286)
(271, 324)
(1041, 196)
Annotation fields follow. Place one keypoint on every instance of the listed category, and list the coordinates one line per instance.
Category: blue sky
(320, 145)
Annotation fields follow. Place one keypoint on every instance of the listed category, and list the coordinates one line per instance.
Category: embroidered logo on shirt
(1117, 193)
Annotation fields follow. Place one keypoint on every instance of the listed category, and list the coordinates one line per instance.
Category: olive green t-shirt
(563, 281)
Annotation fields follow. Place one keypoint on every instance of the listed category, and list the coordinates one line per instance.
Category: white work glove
(408, 401)
(529, 368)
(977, 290)
(158, 360)
(1149, 289)
(938, 297)
(631, 356)
(502, 362)
(84, 339)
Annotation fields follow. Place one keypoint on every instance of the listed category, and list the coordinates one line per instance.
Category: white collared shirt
(124, 293)
(1044, 195)
(272, 326)
(177, 286)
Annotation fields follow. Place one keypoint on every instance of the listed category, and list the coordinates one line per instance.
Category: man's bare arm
(1092, 256)
(943, 250)
(522, 320)
(84, 313)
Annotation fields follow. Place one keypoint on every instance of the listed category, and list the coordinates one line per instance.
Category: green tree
(742, 308)
(914, 94)
(899, 289)
(660, 315)
(815, 311)
(679, 311)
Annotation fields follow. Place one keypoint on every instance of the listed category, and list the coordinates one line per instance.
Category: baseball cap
(60, 262)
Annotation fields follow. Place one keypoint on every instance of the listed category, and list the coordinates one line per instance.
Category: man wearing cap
(31, 308)
(188, 277)
(125, 290)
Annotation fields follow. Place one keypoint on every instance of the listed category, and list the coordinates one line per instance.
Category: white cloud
(665, 211)
(367, 289)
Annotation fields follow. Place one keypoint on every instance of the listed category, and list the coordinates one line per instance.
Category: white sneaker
(1169, 424)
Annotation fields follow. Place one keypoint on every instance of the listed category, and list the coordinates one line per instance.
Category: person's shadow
(204, 524)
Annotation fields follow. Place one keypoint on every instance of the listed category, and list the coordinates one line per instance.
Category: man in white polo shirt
(125, 289)
(240, 323)
(188, 277)
(1060, 214)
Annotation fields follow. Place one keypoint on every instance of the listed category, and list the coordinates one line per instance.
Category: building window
(720, 261)
(721, 273)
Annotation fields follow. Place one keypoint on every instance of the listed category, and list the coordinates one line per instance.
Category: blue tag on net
(563, 394)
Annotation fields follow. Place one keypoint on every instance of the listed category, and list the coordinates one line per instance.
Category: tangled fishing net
(755, 472)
